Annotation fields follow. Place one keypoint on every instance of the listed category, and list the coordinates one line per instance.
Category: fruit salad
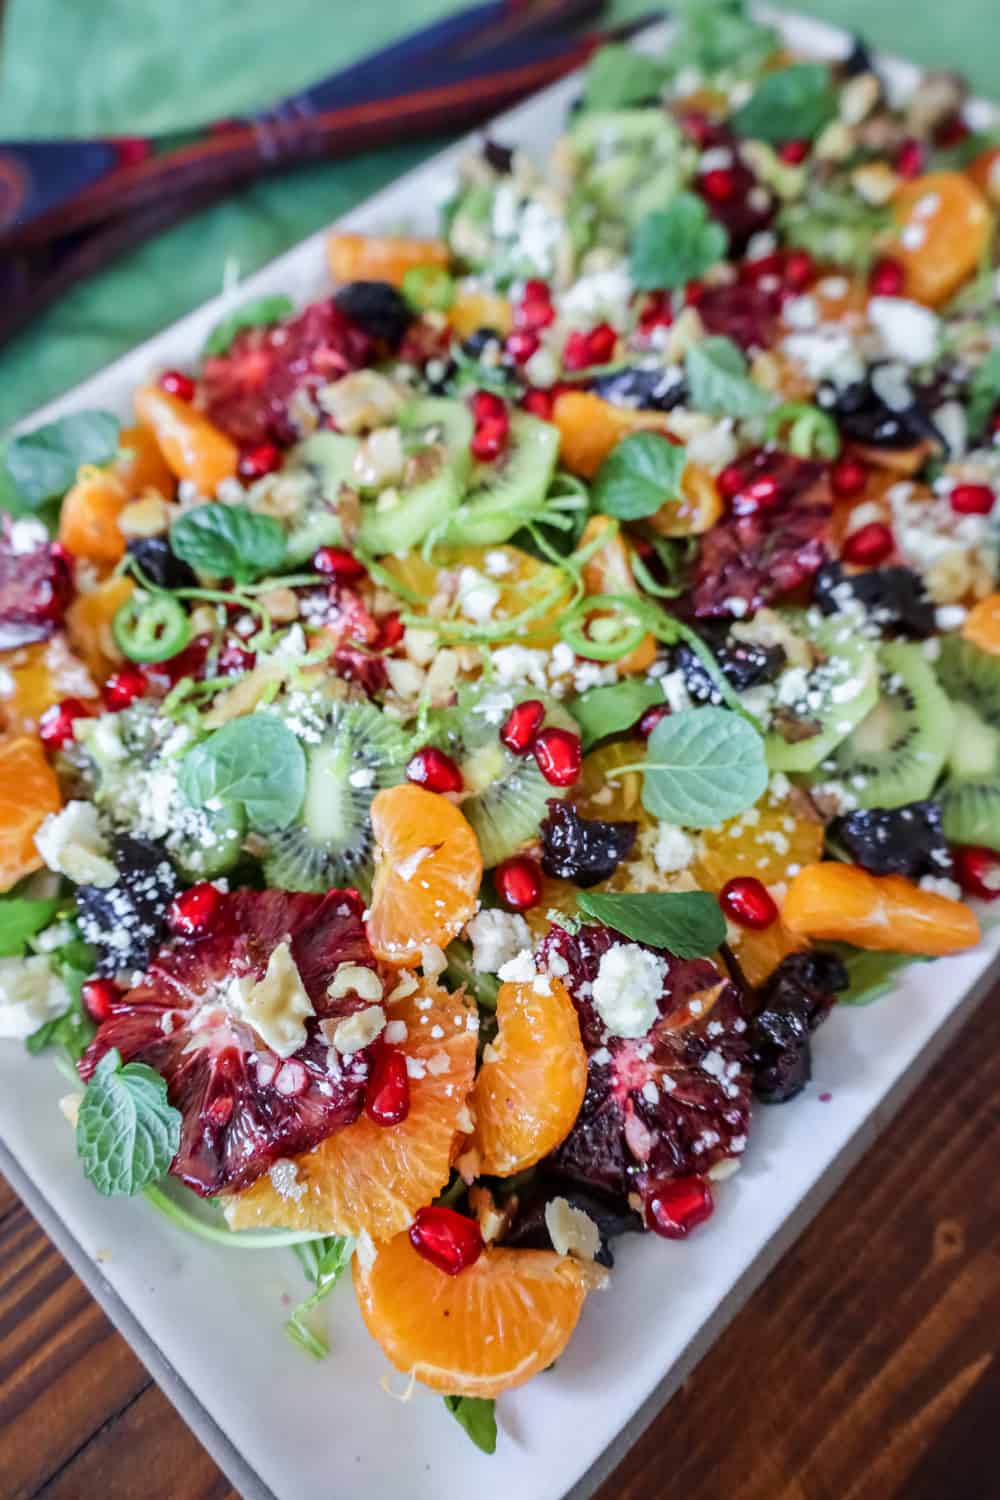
(460, 738)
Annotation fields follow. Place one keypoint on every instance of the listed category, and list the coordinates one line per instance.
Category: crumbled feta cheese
(359, 1030)
(908, 330)
(478, 596)
(520, 969)
(628, 988)
(496, 937)
(571, 1231)
(673, 850)
(71, 842)
(940, 885)
(277, 1006)
(30, 995)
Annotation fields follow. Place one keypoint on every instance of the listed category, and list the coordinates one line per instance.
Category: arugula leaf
(228, 541)
(255, 761)
(42, 464)
(478, 1416)
(703, 765)
(127, 1133)
(640, 474)
(688, 924)
(791, 104)
(20, 919)
(324, 1262)
(871, 974)
(256, 314)
(616, 706)
(674, 245)
(617, 78)
(72, 1030)
(718, 381)
(984, 393)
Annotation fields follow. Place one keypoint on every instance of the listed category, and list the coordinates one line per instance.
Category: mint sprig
(127, 1132)
(42, 464)
(618, 78)
(256, 762)
(703, 765)
(228, 541)
(258, 313)
(688, 924)
(478, 1416)
(639, 475)
(791, 104)
(613, 707)
(675, 245)
(719, 382)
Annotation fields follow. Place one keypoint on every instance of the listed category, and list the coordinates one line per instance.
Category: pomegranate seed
(719, 184)
(522, 724)
(848, 476)
(602, 341)
(518, 883)
(447, 1239)
(748, 902)
(98, 996)
(576, 354)
(339, 564)
(793, 152)
(869, 545)
(539, 403)
(675, 1207)
(534, 315)
(176, 383)
(193, 910)
(522, 344)
(977, 871)
(909, 159)
(132, 149)
(487, 406)
(489, 440)
(800, 268)
(759, 494)
(649, 720)
(55, 727)
(764, 265)
(387, 1093)
(391, 632)
(291, 1079)
(536, 290)
(657, 312)
(123, 688)
(559, 756)
(432, 769)
(256, 462)
(951, 132)
(886, 278)
(693, 293)
(972, 499)
(730, 481)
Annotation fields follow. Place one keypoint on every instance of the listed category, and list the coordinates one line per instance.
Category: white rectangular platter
(207, 1320)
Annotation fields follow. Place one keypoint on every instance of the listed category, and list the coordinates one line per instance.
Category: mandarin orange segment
(608, 571)
(140, 464)
(843, 903)
(40, 675)
(88, 519)
(943, 222)
(29, 791)
(373, 257)
(88, 624)
(428, 870)
(696, 509)
(193, 448)
(474, 309)
(482, 1332)
(982, 625)
(590, 427)
(533, 1077)
(523, 583)
(372, 1178)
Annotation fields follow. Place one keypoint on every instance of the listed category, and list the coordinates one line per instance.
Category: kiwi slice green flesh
(970, 798)
(509, 793)
(328, 459)
(897, 752)
(360, 752)
(844, 686)
(508, 493)
(445, 429)
(219, 846)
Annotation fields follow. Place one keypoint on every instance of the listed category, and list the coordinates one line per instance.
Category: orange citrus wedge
(29, 791)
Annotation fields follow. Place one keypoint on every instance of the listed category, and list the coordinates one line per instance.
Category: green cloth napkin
(77, 67)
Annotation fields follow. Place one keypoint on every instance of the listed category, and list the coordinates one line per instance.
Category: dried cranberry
(194, 909)
(447, 1239)
(432, 769)
(895, 840)
(387, 1093)
(748, 902)
(895, 597)
(951, 132)
(559, 756)
(339, 564)
(125, 921)
(377, 307)
(259, 461)
(977, 871)
(798, 995)
(886, 278)
(678, 1205)
(56, 727)
(518, 883)
(585, 850)
(176, 383)
(864, 416)
(36, 584)
(972, 499)
(521, 725)
(98, 996)
(869, 545)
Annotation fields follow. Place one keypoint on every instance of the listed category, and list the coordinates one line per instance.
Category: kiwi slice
(970, 798)
(632, 160)
(509, 792)
(896, 753)
(436, 437)
(505, 495)
(326, 461)
(217, 845)
(359, 752)
(833, 697)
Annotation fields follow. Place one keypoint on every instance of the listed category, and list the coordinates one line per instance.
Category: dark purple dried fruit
(611, 1214)
(377, 307)
(658, 389)
(744, 664)
(160, 564)
(895, 840)
(586, 850)
(795, 1000)
(864, 416)
(500, 158)
(742, 312)
(894, 598)
(125, 922)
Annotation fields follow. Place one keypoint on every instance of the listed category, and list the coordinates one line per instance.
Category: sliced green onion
(809, 432)
(235, 1239)
(620, 627)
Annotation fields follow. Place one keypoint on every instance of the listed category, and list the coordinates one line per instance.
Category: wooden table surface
(864, 1368)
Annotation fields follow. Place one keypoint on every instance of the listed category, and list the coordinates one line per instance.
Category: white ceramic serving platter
(207, 1320)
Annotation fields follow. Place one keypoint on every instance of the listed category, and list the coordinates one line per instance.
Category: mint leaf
(641, 473)
(127, 1133)
(719, 383)
(228, 541)
(255, 761)
(871, 974)
(601, 711)
(703, 765)
(688, 924)
(324, 1262)
(618, 78)
(20, 919)
(676, 244)
(478, 1417)
(42, 464)
(256, 314)
(984, 393)
(792, 104)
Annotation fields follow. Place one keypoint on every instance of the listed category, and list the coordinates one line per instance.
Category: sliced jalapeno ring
(809, 432)
(151, 627)
(604, 627)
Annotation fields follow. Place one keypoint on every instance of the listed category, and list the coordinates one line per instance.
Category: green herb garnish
(228, 541)
(703, 765)
(688, 924)
(42, 464)
(639, 475)
(256, 314)
(675, 245)
(127, 1133)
